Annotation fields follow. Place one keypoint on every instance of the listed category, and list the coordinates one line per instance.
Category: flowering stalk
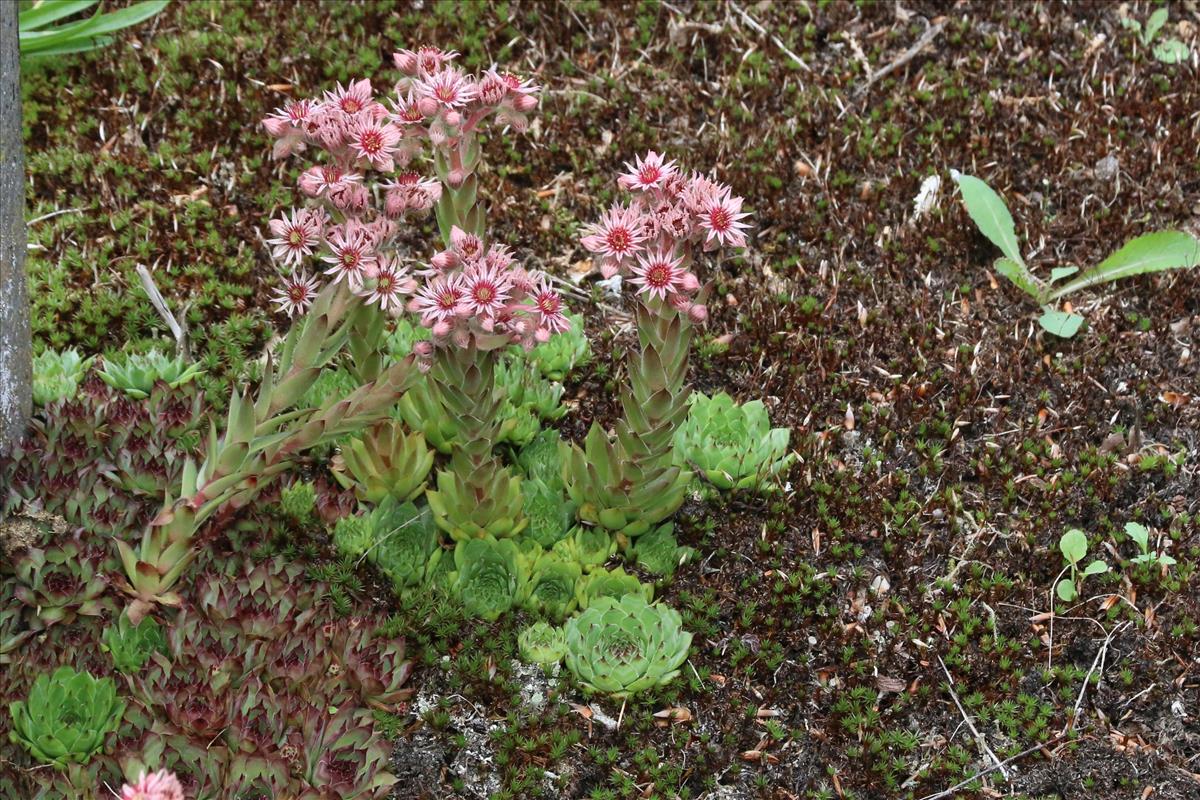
(261, 439)
(628, 482)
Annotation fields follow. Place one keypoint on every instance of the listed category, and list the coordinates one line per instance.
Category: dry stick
(979, 740)
(908, 55)
(177, 325)
(1101, 654)
(52, 215)
(991, 769)
(778, 43)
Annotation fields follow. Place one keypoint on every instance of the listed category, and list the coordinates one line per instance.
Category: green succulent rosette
(541, 460)
(489, 576)
(137, 373)
(299, 501)
(66, 717)
(563, 352)
(406, 548)
(550, 513)
(732, 445)
(659, 553)
(423, 411)
(130, 646)
(384, 462)
(613, 583)
(622, 646)
(56, 375)
(518, 426)
(588, 547)
(354, 535)
(542, 644)
(551, 587)
(476, 501)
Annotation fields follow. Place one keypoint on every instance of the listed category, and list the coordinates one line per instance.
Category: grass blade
(50, 11)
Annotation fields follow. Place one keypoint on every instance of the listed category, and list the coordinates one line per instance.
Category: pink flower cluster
(161, 785)
(479, 295)
(434, 103)
(655, 237)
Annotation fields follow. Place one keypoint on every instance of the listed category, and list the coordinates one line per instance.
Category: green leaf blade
(1171, 51)
(989, 213)
(1020, 276)
(1073, 545)
(50, 11)
(1152, 252)
(1060, 323)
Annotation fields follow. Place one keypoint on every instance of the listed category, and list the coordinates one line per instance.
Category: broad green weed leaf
(1020, 275)
(1095, 568)
(990, 214)
(1153, 252)
(1171, 51)
(1154, 24)
(1058, 273)
(1139, 534)
(1073, 545)
(1066, 590)
(1060, 323)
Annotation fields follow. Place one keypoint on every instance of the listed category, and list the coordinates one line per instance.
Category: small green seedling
(1168, 51)
(1153, 252)
(1074, 547)
(1141, 535)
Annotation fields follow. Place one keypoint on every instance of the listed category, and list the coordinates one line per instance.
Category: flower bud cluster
(669, 219)
(351, 225)
(477, 296)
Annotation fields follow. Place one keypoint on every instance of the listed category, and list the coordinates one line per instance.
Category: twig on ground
(908, 55)
(979, 740)
(775, 39)
(1101, 654)
(989, 770)
(51, 215)
(178, 325)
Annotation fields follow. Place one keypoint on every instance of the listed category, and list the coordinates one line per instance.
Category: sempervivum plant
(541, 459)
(130, 646)
(384, 461)
(550, 512)
(570, 349)
(588, 547)
(56, 375)
(135, 374)
(374, 668)
(405, 544)
(340, 757)
(542, 644)
(489, 576)
(354, 536)
(67, 717)
(622, 646)
(732, 445)
(13, 632)
(422, 411)
(262, 436)
(628, 482)
(266, 601)
(474, 299)
(614, 582)
(60, 583)
(658, 551)
(551, 587)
